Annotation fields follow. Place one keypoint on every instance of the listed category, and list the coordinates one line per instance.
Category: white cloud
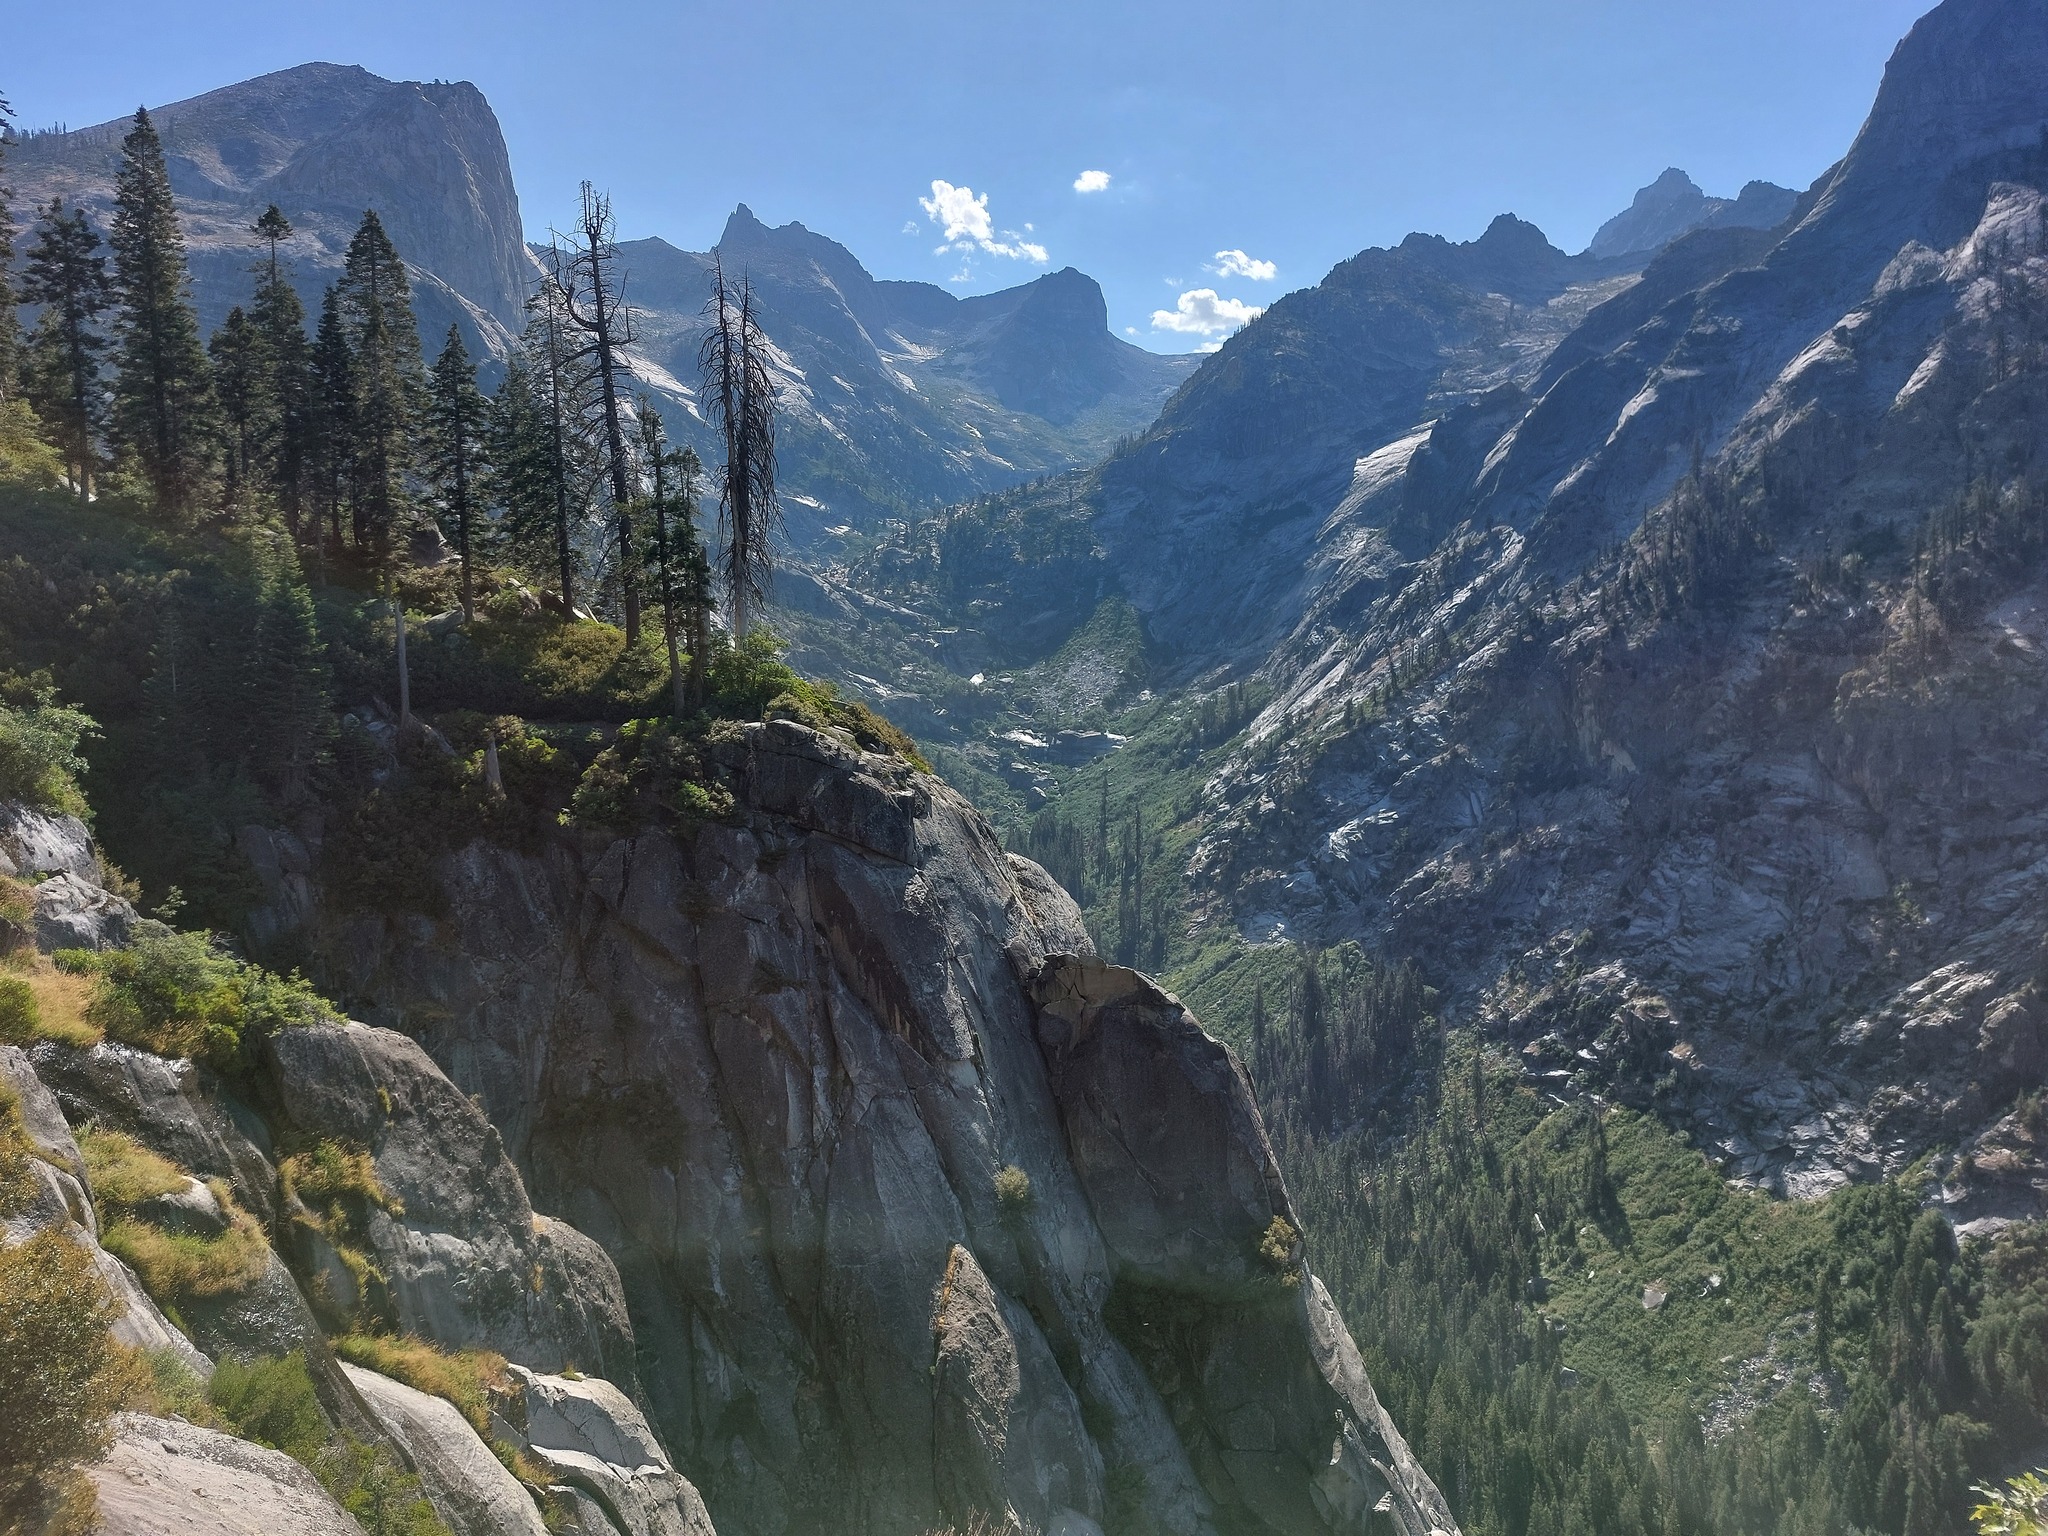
(911, 226)
(1202, 312)
(1238, 264)
(965, 220)
(1092, 181)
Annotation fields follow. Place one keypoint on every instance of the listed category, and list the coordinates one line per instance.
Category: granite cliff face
(442, 1245)
(323, 142)
(920, 1209)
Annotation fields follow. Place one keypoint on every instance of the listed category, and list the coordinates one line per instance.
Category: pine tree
(559, 391)
(457, 420)
(384, 346)
(162, 407)
(521, 484)
(739, 397)
(283, 432)
(67, 276)
(330, 422)
(681, 572)
(592, 300)
(10, 323)
(241, 390)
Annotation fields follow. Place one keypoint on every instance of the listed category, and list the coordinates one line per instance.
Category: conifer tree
(457, 420)
(330, 422)
(592, 300)
(375, 301)
(676, 559)
(241, 395)
(282, 436)
(542, 439)
(10, 324)
(66, 274)
(162, 406)
(739, 396)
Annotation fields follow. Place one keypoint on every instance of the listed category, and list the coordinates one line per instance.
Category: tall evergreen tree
(384, 343)
(10, 323)
(330, 423)
(241, 389)
(522, 478)
(283, 432)
(676, 560)
(162, 406)
(457, 427)
(66, 274)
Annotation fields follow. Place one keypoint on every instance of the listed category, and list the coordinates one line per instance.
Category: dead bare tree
(739, 398)
(593, 300)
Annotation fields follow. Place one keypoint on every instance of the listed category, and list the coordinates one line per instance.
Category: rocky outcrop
(469, 1487)
(461, 1254)
(596, 1444)
(73, 910)
(63, 1202)
(775, 1063)
(165, 1477)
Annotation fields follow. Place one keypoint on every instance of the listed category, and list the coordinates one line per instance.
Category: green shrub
(40, 761)
(175, 994)
(654, 771)
(62, 1376)
(20, 1017)
(272, 1402)
(384, 1498)
(2017, 1508)
(1014, 1198)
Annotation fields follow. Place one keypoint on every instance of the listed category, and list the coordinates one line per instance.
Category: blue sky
(1292, 133)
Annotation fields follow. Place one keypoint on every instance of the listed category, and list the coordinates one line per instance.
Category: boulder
(164, 1477)
(468, 1486)
(591, 1438)
(467, 1260)
(180, 1110)
(73, 912)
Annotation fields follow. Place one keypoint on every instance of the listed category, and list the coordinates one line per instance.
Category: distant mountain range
(897, 397)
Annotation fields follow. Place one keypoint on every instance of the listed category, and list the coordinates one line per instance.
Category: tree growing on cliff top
(375, 304)
(163, 403)
(281, 432)
(591, 299)
(457, 419)
(739, 399)
(66, 274)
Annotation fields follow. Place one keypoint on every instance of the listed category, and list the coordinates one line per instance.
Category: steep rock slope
(920, 1209)
(323, 142)
(897, 396)
(1746, 812)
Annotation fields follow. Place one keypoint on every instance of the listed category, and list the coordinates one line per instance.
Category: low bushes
(177, 995)
(62, 1377)
(272, 1402)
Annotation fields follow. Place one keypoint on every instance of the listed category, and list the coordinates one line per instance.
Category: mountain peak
(1673, 205)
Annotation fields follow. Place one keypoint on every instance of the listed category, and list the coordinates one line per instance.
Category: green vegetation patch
(177, 994)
